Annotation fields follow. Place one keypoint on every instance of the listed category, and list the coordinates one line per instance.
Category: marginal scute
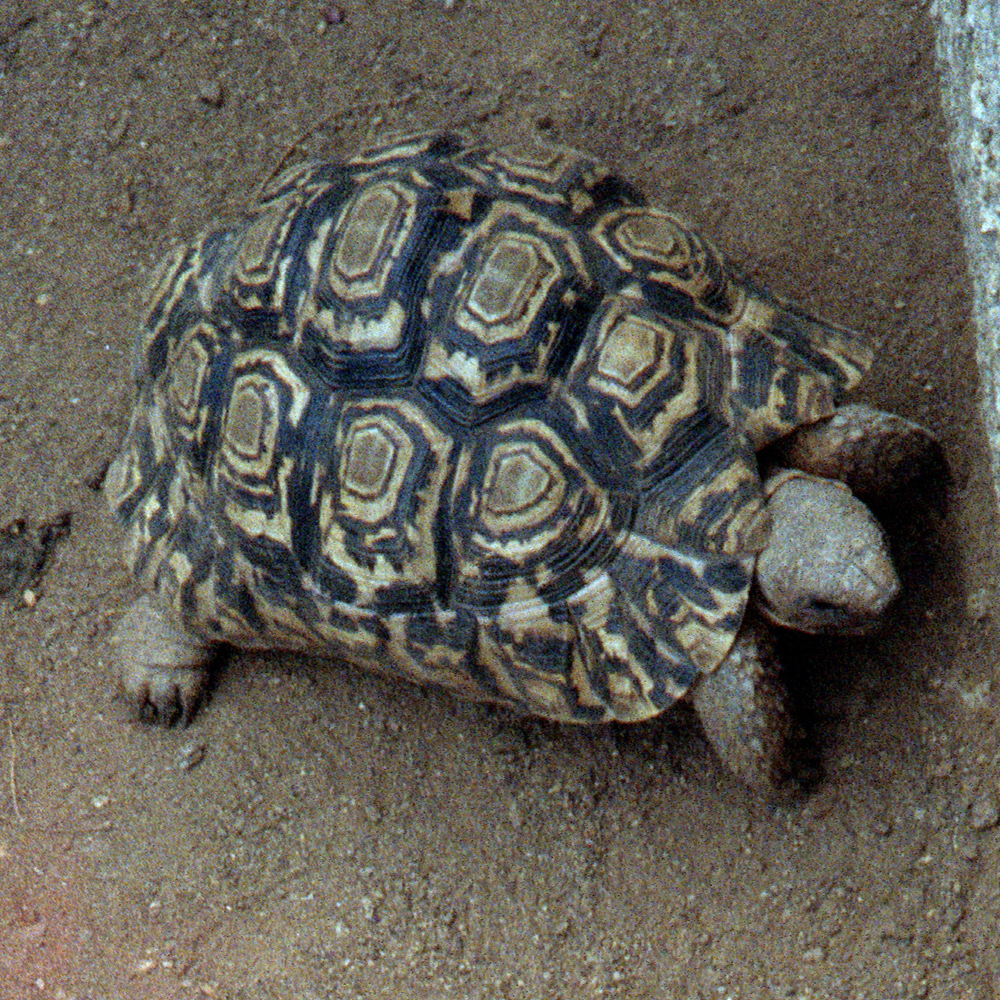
(252, 269)
(661, 249)
(654, 235)
(255, 257)
(187, 377)
(191, 360)
(124, 480)
(537, 161)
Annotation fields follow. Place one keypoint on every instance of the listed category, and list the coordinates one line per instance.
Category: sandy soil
(322, 833)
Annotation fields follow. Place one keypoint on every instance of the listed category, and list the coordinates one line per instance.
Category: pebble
(966, 848)
(942, 769)
(515, 815)
(881, 825)
(190, 756)
(985, 813)
(890, 930)
(979, 604)
(978, 697)
(816, 954)
(210, 92)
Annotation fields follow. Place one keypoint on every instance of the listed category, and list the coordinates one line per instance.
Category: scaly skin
(826, 569)
(163, 667)
(880, 456)
(743, 708)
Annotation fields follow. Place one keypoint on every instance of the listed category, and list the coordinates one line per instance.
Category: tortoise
(484, 418)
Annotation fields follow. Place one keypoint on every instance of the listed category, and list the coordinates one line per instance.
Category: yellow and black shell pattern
(473, 417)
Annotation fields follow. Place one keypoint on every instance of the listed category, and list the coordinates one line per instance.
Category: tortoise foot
(163, 667)
(743, 708)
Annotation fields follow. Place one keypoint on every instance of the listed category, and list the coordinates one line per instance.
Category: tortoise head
(826, 567)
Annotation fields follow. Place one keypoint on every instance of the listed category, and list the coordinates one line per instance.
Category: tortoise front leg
(743, 708)
(880, 456)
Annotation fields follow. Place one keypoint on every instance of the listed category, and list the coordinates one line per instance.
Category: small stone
(715, 82)
(978, 697)
(506, 742)
(966, 848)
(30, 598)
(881, 825)
(43, 300)
(979, 604)
(890, 930)
(190, 756)
(210, 92)
(942, 769)
(822, 803)
(117, 130)
(816, 954)
(331, 14)
(515, 815)
(985, 813)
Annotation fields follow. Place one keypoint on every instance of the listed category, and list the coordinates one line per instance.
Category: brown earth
(322, 833)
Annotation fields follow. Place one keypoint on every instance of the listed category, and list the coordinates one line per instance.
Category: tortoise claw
(163, 667)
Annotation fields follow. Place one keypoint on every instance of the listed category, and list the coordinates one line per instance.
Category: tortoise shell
(478, 418)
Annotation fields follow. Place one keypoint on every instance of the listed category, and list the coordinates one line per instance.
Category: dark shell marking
(478, 418)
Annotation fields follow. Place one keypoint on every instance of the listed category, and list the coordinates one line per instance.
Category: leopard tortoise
(486, 419)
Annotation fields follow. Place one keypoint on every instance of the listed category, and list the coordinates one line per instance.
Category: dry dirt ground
(322, 833)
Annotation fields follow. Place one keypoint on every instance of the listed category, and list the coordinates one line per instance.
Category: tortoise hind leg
(163, 667)
(743, 708)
